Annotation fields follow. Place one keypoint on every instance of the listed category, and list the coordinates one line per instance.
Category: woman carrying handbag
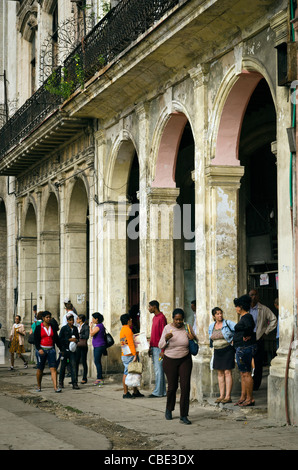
(177, 363)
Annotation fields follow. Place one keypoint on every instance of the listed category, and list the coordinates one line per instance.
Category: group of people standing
(172, 360)
(243, 340)
(168, 348)
(170, 353)
(71, 340)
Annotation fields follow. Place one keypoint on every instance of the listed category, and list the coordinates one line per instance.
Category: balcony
(112, 35)
(136, 50)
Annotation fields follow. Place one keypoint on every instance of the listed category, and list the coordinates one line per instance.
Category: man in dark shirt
(68, 334)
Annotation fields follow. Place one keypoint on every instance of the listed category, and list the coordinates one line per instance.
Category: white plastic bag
(133, 380)
(72, 346)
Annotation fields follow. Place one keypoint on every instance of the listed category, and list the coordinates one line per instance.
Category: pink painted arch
(227, 146)
(168, 151)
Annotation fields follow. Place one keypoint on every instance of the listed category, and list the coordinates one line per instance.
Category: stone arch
(50, 255)
(3, 266)
(78, 197)
(51, 213)
(28, 262)
(122, 185)
(30, 220)
(167, 140)
(122, 155)
(77, 246)
(48, 6)
(229, 110)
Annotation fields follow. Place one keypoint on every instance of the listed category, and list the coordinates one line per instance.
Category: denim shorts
(126, 360)
(48, 355)
(244, 357)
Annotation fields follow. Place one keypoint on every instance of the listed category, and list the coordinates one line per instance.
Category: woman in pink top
(177, 363)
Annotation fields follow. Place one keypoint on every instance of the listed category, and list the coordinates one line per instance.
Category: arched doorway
(50, 257)
(3, 267)
(133, 256)
(122, 228)
(185, 288)
(28, 266)
(258, 217)
(173, 192)
(77, 248)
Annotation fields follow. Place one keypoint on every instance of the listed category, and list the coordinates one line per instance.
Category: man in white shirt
(69, 309)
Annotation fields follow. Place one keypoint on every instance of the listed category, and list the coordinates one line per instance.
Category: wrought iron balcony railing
(112, 35)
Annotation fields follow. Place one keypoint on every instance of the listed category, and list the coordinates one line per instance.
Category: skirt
(15, 346)
(224, 359)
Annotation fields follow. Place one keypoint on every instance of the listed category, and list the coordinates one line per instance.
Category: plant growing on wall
(80, 73)
(60, 85)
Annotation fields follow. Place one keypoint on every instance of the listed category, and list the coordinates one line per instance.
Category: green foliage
(60, 86)
(80, 73)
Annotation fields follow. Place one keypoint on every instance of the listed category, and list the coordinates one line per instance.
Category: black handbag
(109, 340)
(31, 338)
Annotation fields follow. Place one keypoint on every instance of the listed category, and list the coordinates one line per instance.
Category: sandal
(248, 403)
(218, 400)
(83, 381)
(239, 402)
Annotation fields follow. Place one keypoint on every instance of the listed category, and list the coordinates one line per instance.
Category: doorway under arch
(174, 167)
(28, 266)
(77, 248)
(50, 257)
(3, 266)
(258, 204)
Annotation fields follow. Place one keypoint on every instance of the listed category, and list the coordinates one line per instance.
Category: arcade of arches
(179, 200)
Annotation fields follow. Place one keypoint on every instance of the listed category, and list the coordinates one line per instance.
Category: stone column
(113, 239)
(144, 228)
(50, 272)
(63, 254)
(286, 268)
(75, 264)
(161, 203)
(200, 77)
(223, 183)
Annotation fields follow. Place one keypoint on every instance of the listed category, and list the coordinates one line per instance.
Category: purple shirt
(99, 339)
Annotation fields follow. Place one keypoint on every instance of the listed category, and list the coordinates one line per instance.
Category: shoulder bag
(193, 345)
(109, 340)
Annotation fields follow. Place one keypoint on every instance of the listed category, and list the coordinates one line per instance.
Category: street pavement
(24, 426)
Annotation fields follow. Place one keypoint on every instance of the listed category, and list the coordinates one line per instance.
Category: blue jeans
(244, 357)
(97, 353)
(160, 381)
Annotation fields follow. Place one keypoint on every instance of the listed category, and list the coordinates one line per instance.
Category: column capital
(279, 24)
(113, 210)
(224, 175)
(163, 195)
(200, 74)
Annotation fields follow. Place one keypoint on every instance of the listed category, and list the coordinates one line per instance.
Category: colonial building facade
(145, 154)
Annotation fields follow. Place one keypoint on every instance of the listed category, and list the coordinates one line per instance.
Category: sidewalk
(213, 426)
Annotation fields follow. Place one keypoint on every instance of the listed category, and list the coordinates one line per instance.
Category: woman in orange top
(128, 353)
